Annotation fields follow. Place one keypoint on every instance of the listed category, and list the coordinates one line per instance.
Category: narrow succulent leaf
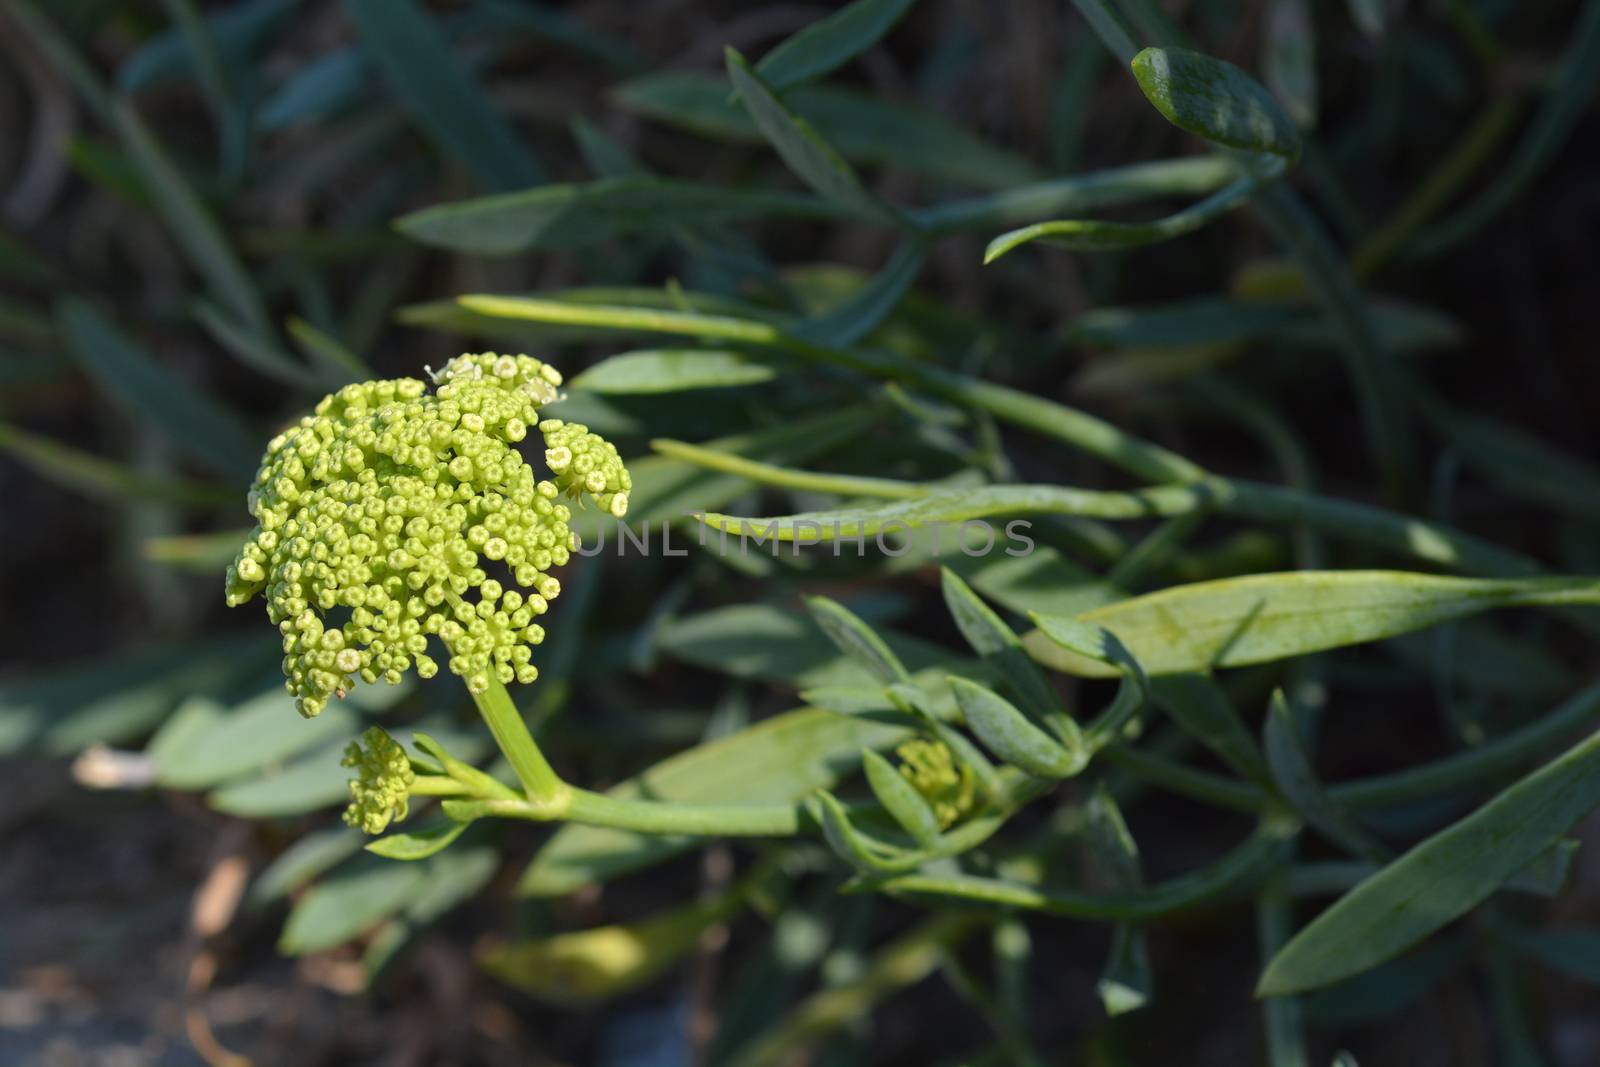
(1566, 99)
(578, 215)
(862, 127)
(858, 316)
(992, 639)
(811, 158)
(1442, 878)
(338, 364)
(1260, 618)
(1213, 99)
(1092, 235)
(255, 351)
(105, 479)
(347, 903)
(1202, 710)
(844, 839)
(585, 967)
(1007, 733)
(447, 882)
(1125, 983)
(1194, 176)
(1096, 643)
(309, 856)
(1241, 866)
(1568, 950)
(320, 88)
(1289, 59)
(1388, 990)
(857, 640)
(236, 32)
(209, 434)
(830, 43)
(417, 844)
(204, 743)
(671, 370)
(900, 799)
(440, 94)
(962, 505)
(1297, 781)
(192, 226)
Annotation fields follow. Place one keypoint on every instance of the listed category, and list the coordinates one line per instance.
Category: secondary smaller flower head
(381, 792)
(381, 514)
(931, 768)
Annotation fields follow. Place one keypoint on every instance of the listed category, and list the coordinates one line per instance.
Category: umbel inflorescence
(378, 514)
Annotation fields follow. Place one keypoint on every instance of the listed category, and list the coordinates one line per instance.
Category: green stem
(664, 817)
(538, 778)
(1488, 761)
(1481, 139)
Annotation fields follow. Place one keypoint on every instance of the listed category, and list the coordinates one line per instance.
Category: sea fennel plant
(1245, 666)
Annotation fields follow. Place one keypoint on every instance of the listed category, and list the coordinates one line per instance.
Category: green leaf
(1567, 98)
(1213, 99)
(574, 216)
(1568, 950)
(811, 158)
(952, 506)
(207, 433)
(1442, 878)
(1090, 235)
(780, 645)
(1390, 989)
(1234, 622)
(859, 127)
(671, 370)
(1262, 850)
(1202, 710)
(338, 364)
(1125, 983)
(238, 30)
(253, 350)
(858, 316)
(103, 478)
(297, 865)
(261, 731)
(417, 844)
(830, 43)
(447, 881)
(346, 904)
(1297, 780)
(900, 799)
(116, 699)
(1007, 733)
(192, 226)
(1521, 463)
(440, 94)
(992, 639)
(857, 640)
(781, 759)
(1289, 58)
(598, 964)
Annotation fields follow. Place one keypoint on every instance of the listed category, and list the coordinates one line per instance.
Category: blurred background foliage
(212, 214)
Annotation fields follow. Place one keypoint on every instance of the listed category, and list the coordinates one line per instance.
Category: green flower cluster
(381, 791)
(383, 509)
(931, 768)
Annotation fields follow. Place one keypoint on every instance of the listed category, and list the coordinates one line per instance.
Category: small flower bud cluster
(386, 508)
(586, 463)
(381, 792)
(931, 768)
